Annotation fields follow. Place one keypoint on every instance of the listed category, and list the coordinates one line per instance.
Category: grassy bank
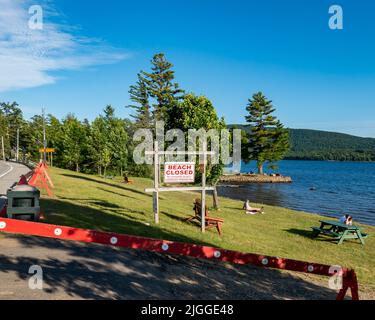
(92, 202)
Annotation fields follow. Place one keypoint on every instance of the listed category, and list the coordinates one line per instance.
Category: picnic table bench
(210, 221)
(339, 231)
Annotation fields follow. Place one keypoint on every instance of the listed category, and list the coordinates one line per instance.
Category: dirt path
(80, 271)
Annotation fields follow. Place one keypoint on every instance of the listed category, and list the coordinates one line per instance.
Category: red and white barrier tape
(192, 250)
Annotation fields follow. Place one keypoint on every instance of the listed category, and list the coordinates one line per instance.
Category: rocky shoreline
(253, 178)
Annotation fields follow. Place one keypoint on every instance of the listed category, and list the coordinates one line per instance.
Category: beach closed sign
(179, 172)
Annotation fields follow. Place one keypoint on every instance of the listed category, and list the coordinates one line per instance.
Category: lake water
(339, 188)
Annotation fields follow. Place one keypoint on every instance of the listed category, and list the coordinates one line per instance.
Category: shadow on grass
(301, 232)
(176, 218)
(116, 193)
(309, 234)
(114, 219)
(91, 271)
(106, 184)
(122, 211)
(106, 206)
(99, 203)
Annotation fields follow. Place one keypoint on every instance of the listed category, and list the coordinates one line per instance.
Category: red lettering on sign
(179, 172)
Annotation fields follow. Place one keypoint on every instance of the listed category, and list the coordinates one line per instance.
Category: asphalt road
(10, 173)
(74, 270)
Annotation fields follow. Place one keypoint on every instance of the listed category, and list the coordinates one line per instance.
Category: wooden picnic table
(339, 231)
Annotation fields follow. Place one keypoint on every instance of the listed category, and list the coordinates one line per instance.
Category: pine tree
(268, 140)
(109, 113)
(139, 95)
(160, 86)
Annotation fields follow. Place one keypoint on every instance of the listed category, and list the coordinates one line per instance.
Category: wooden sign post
(156, 189)
(203, 201)
(156, 184)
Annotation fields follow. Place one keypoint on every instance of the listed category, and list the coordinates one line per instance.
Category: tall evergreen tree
(109, 113)
(140, 97)
(268, 140)
(161, 87)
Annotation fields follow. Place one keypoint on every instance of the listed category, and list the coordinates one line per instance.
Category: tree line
(333, 155)
(80, 145)
(105, 146)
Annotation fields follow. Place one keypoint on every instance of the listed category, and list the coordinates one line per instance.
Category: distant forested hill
(322, 145)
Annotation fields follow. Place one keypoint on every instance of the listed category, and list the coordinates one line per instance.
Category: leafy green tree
(12, 120)
(267, 141)
(106, 158)
(161, 87)
(34, 136)
(109, 140)
(86, 164)
(132, 168)
(117, 139)
(3, 126)
(198, 112)
(74, 141)
(97, 142)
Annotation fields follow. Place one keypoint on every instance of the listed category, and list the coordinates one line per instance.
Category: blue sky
(90, 52)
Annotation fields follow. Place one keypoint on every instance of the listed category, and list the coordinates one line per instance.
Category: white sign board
(179, 172)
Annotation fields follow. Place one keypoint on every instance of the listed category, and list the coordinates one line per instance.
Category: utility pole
(18, 145)
(3, 148)
(44, 139)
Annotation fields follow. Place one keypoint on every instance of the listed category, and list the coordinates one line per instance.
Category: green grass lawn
(88, 201)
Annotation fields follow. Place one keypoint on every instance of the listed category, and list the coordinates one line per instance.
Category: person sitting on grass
(250, 210)
(127, 180)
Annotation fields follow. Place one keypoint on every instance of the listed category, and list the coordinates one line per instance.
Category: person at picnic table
(347, 219)
(250, 210)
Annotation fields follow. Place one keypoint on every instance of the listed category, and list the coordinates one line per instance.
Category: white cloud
(28, 57)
